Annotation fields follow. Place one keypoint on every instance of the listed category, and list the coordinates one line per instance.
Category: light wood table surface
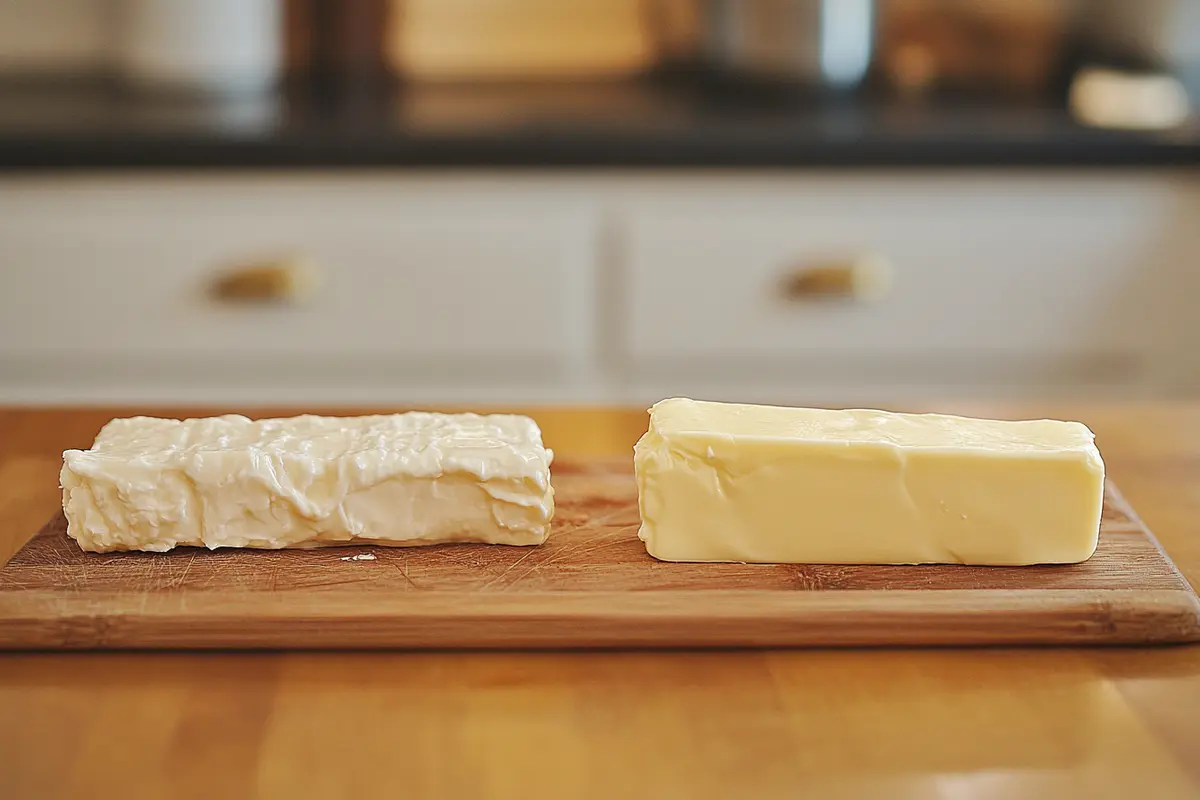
(1054, 723)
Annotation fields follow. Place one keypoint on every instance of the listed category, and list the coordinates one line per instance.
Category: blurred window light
(1107, 98)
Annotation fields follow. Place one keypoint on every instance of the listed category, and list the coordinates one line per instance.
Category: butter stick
(744, 483)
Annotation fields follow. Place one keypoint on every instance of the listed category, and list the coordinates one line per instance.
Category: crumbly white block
(309, 481)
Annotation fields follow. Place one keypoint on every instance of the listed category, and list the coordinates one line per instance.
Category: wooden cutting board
(590, 585)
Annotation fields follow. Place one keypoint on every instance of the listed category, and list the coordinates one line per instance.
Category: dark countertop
(636, 124)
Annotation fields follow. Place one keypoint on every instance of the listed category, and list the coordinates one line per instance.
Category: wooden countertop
(1050, 723)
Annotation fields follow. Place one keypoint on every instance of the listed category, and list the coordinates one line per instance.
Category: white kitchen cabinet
(1034, 282)
(485, 288)
(106, 287)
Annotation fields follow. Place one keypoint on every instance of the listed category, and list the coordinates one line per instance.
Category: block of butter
(723, 482)
(308, 481)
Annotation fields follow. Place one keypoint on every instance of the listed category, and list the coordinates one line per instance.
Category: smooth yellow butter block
(726, 482)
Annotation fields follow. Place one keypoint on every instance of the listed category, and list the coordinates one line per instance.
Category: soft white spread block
(723, 482)
(308, 481)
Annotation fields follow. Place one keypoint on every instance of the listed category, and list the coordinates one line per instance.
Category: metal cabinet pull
(862, 279)
(278, 281)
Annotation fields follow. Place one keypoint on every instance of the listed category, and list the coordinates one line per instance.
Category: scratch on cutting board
(508, 569)
(404, 573)
(571, 548)
(359, 557)
(533, 550)
(178, 582)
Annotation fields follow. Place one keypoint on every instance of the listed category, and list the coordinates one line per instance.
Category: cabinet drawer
(403, 277)
(1009, 273)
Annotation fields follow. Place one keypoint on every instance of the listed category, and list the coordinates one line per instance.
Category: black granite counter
(638, 124)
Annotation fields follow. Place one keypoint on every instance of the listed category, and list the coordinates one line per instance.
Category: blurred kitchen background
(599, 201)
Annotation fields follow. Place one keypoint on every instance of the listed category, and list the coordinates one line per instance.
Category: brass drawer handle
(280, 281)
(863, 279)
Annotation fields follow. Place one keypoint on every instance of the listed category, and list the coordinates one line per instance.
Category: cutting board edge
(604, 620)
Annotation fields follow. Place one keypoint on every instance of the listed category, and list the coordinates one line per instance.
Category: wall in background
(53, 35)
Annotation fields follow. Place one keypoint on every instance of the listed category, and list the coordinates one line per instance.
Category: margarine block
(309, 481)
(724, 482)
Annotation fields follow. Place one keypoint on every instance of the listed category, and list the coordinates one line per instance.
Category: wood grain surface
(1108, 722)
(590, 585)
